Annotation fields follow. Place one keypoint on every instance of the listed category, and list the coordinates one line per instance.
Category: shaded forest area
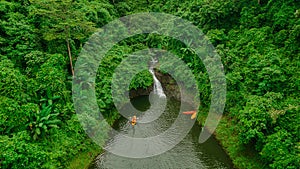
(258, 42)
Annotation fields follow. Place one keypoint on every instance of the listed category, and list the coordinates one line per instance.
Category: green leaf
(38, 131)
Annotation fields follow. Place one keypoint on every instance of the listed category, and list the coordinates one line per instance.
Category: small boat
(189, 112)
(193, 113)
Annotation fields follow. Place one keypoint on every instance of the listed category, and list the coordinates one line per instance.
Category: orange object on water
(133, 120)
(189, 112)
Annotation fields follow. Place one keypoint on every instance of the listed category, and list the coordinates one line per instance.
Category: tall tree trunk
(70, 55)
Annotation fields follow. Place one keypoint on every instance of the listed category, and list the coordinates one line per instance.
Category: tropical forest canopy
(258, 41)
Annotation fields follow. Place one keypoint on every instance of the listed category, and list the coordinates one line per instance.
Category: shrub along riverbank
(258, 42)
(241, 156)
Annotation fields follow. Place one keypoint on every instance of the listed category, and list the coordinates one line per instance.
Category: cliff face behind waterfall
(169, 85)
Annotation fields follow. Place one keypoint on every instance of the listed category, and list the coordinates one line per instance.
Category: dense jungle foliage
(258, 41)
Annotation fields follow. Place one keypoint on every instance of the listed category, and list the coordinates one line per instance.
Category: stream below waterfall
(187, 154)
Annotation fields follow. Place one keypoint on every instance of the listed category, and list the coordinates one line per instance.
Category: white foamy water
(157, 88)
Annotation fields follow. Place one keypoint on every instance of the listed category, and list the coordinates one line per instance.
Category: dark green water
(187, 154)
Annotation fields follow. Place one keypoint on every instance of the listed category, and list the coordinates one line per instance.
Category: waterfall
(157, 88)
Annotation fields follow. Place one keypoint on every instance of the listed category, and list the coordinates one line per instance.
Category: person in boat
(193, 113)
(133, 121)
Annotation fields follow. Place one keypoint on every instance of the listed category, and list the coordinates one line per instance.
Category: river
(187, 154)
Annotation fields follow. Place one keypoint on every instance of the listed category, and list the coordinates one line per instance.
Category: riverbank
(242, 157)
(85, 158)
